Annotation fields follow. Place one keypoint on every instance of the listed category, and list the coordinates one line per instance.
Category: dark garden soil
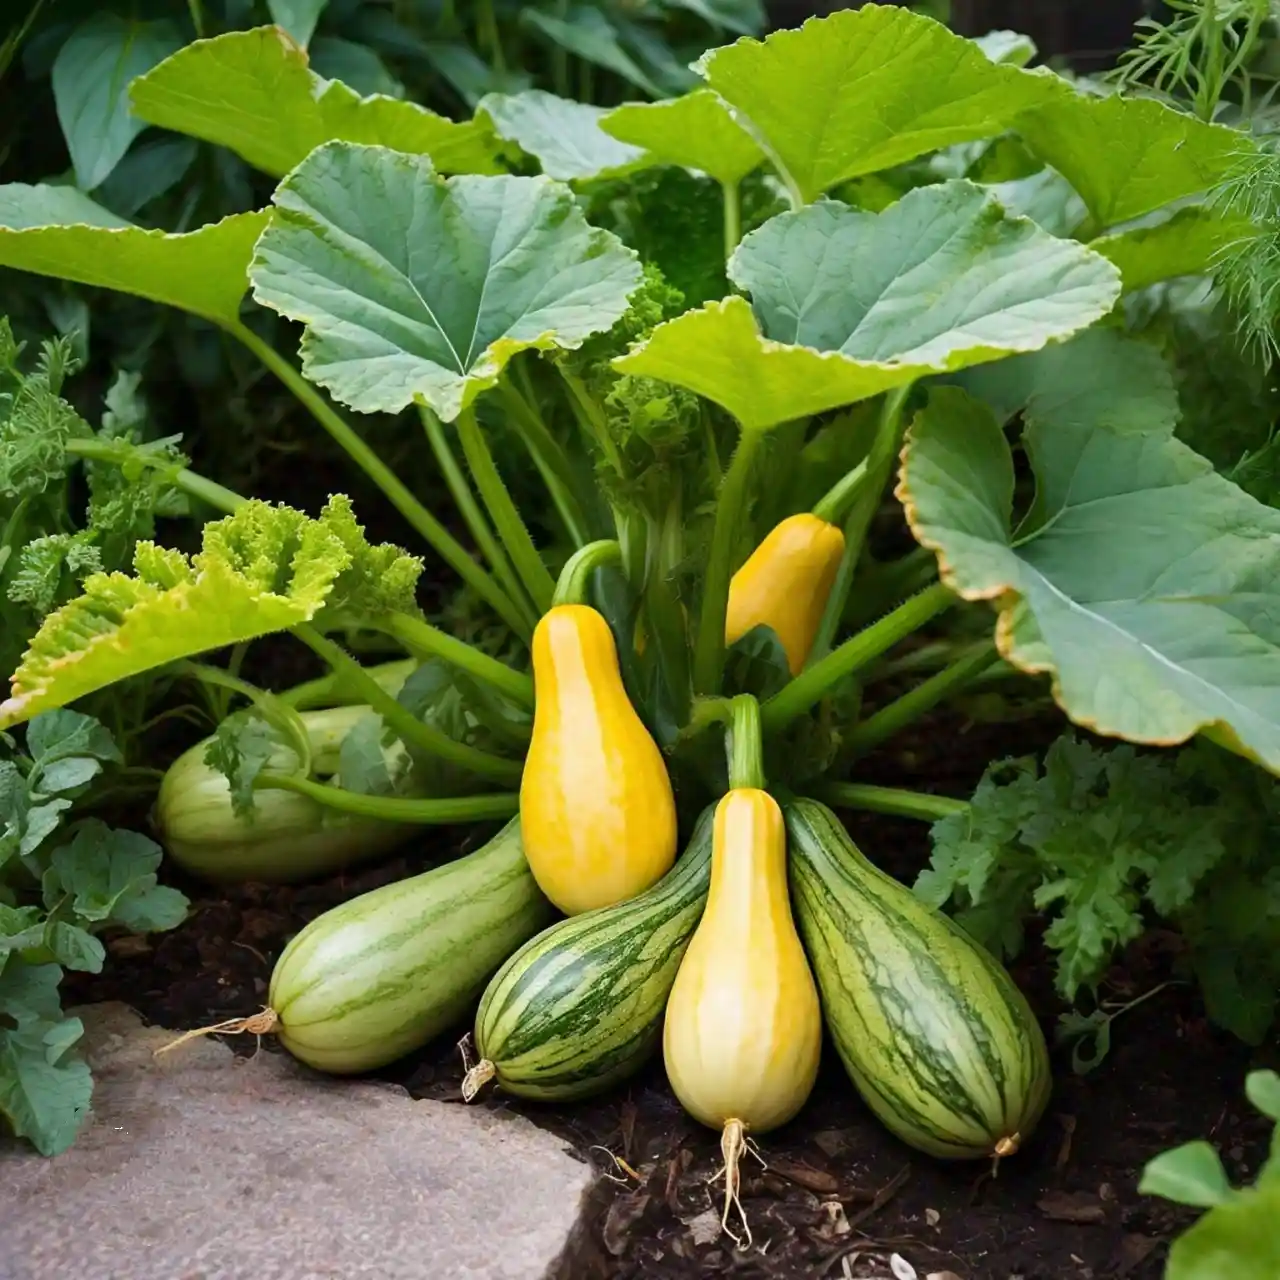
(839, 1196)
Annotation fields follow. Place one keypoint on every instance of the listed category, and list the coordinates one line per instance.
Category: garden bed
(1066, 1208)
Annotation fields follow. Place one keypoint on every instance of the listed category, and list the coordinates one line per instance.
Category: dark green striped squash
(378, 976)
(580, 1006)
(933, 1032)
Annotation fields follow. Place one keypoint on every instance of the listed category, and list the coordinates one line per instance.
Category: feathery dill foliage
(1199, 55)
(1248, 269)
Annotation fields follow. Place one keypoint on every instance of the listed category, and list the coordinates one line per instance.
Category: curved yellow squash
(785, 584)
(596, 808)
(743, 1027)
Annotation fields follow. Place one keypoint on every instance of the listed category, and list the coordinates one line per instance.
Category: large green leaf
(253, 92)
(866, 89)
(849, 303)
(57, 231)
(696, 131)
(564, 137)
(1185, 244)
(260, 570)
(1144, 583)
(1128, 156)
(416, 289)
(91, 77)
(585, 32)
(1238, 1240)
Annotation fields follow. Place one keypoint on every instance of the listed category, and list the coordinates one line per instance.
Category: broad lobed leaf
(848, 303)
(59, 232)
(414, 289)
(252, 91)
(1173, 637)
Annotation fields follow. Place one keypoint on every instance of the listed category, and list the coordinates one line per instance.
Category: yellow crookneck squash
(785, 584)
(597, 812)
(743, 1026)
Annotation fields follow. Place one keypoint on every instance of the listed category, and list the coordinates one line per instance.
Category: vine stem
(708, 658)
(190, 482)
(746, 755)
(895, 801)
(435, 534)
(903, 711)
(511, 528)
(471, 513)
(575, 577)
(423, 639)
(815, 682)
(329, 690)
(411, 730)
(732, 217)
(395, 808)
(879, 464)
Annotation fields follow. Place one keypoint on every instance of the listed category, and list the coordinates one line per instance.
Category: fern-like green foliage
(264, 569)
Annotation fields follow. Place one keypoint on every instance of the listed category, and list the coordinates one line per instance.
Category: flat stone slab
(205, 1166)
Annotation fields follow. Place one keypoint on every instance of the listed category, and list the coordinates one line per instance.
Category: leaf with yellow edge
(261, 570)
(252, 91)
(60, 232)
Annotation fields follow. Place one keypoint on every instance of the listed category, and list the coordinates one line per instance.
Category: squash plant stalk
(732, 217)
(278, 713)
(474, 517)
(413, 731)
(421, 637)
(897, 802)
(896, 715)
(808, 688)
(503, 512)
(835, 503)
(708, 661)
(331, 691)
(442, 812)
(190, 482)
(444, 543)
(743, 745)
(879, 464)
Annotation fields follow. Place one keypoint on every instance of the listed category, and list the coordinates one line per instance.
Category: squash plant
(925, 244)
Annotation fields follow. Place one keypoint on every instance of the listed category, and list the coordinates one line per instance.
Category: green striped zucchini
(580, 1006)
(940, 1043)
(378, 976)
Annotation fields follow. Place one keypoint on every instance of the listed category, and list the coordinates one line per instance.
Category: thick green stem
(708, 661)
(425, 640)
(471, 513)
(881, 586)
(591, 419)
(445, 544)
(548, 457)
(511, 528)
(456, 809)
(411, 730)
(277, 713)
(879, 463)
(924, 697)
(808, 688)
(743, 744)
(190, 482)
(732, 217)
(575, 577)
(331, 691)
(892, 800)
(835, 503)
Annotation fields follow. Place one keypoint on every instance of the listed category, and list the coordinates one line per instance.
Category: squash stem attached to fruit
(708, 658)
(812, 685)
(924, 697)
(895, 801)
(833, 506)
(746, 764)
(575, 577)
(413, 731)
(279, 714)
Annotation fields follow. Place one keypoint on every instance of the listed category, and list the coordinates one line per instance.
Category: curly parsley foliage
(60, 886)
(1101, 841)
